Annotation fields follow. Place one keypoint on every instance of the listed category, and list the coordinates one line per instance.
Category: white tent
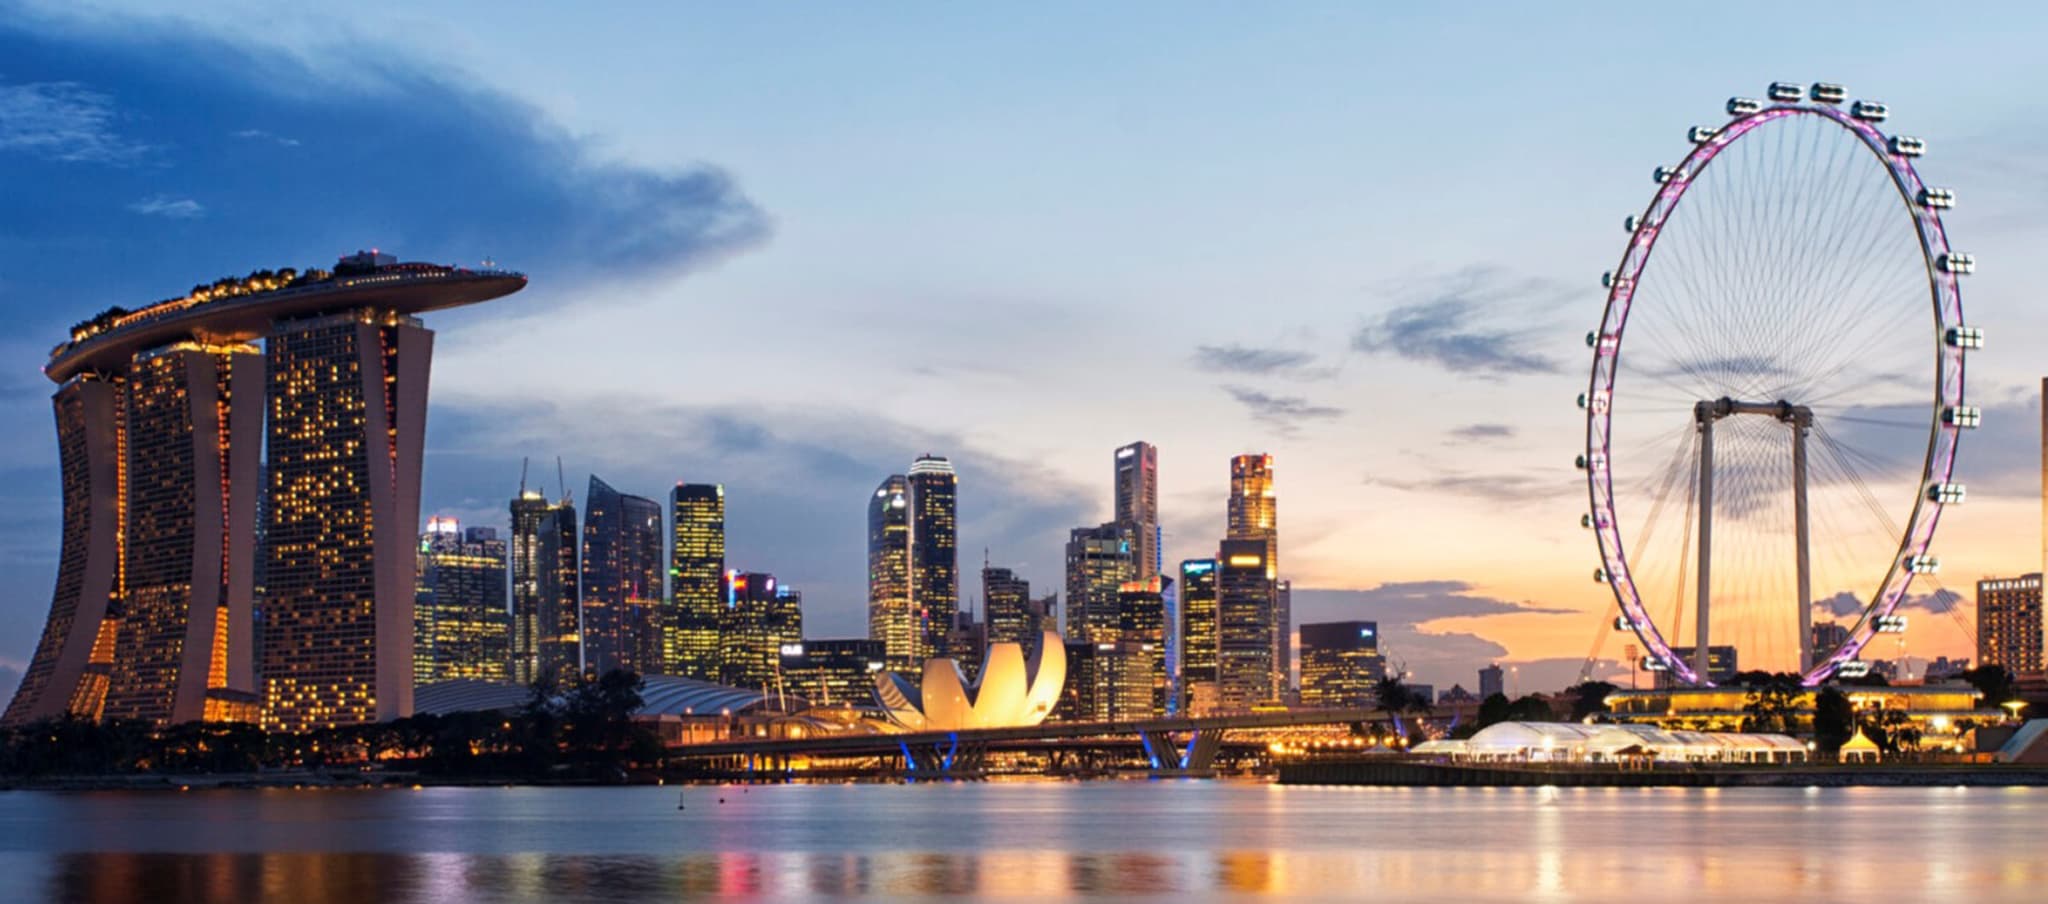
(1571, 742)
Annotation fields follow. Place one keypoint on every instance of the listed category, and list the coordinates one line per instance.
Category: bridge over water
(1171, 747)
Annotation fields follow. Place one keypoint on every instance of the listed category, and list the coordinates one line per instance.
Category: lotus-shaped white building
(1010, 693)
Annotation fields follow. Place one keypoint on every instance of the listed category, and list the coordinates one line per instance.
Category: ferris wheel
(1777, 390)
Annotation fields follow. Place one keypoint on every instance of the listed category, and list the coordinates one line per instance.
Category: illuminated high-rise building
(192, 423)
(1142, 632)
(696, 573)
(461, 628)
(152, 614)
(891, 618)
(1244, 626)
(833, 672)
(558, 620)
(2009, 623)
(1137, 504)
(1253, 514)
(69, 672)
(1006, 600)
(934, 553)
(1197, 647)
(1100, 560)
(761, 618)
(622, 586)
(529, 509)
(1341, 664)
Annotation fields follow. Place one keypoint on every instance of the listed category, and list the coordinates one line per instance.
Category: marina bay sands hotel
(205, 477)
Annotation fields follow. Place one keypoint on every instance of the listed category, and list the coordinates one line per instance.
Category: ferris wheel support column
(1705, 414)
(1800, 420)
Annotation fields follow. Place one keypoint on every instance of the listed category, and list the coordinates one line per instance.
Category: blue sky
(789, 249)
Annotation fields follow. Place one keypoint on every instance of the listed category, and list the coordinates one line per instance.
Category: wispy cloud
(167, 206)
(63, 121)
(1847, 604)
(260, 135)
(1482, 432)
(1450, 326)
(1283, 413)
(1405, 611)
(1503, 487)
(1245, 359)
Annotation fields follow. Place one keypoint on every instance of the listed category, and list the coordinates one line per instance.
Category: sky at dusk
(789, 249)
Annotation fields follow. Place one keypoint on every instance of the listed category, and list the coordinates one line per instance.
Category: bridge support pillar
(1182, 754)
(945, 759)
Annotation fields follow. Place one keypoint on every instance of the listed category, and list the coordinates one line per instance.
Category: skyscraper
(934, 553)
(193, 419)
(461, 627)
(1283, 623)
(66, 674)
(1137, 503)
(833, 672)
(696, 580)
(1100, 560)
(1142, 632)
(622, 586)
(891, 619)
(159, 412)
(1006, 598)
(559, 620)
(1490, 677)
(348, 408)
(1244, 626)
(2009, 623)
(759, 620)
(1340, 664)
(1253, 515)
(529, 509)
(1197, 648)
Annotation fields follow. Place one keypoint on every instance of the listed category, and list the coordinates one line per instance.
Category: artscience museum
(1010, 692)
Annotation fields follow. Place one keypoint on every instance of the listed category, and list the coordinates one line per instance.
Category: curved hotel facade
(161, 413)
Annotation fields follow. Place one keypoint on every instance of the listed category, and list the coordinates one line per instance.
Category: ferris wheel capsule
(1743, 106)
(1957, 263)
(1947, 493)
(1701, 134)
(1907, 146)
(1869, 111)
(1829, 93)
(1937, 198)
(1786, 92)
(1668, 174)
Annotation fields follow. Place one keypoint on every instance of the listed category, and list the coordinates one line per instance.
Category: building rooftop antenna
(522, 476)
(564, 481)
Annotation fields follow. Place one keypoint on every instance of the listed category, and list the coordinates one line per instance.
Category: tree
(1395, 697)
(1531, 708)
(1834, 720)
(1494, 709)
(1589, 698)
(1994, 682)
(1772, 703)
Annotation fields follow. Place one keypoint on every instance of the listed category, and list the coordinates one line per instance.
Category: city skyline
(1305, 384)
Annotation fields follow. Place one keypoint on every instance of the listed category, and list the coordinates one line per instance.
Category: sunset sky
(789, 250)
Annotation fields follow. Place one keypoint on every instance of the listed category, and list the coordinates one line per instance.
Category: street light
(2014, 707)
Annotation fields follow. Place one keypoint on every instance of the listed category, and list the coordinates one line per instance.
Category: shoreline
(1448, 775)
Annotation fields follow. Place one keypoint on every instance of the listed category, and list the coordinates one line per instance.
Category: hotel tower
(160, 415)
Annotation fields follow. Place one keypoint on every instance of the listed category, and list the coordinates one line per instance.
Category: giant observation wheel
(1777, 391)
